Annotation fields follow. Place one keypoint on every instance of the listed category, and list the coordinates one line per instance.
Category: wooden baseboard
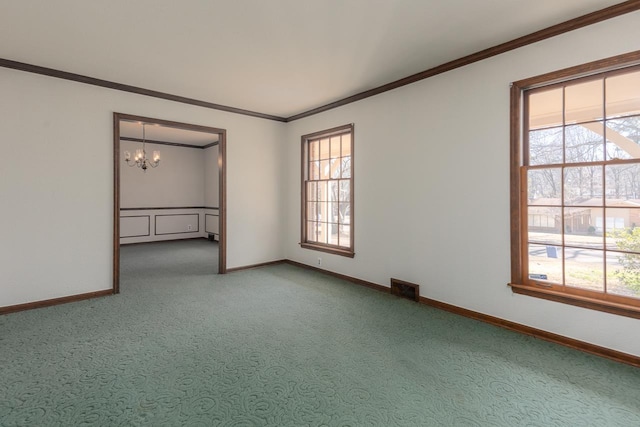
(360, 282)
(55, 301)
(608, 353)
(249, 267)
(586, 347)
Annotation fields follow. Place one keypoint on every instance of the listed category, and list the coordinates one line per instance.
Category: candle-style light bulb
(127, 155)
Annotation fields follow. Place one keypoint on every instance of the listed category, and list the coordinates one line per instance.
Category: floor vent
(405, 289)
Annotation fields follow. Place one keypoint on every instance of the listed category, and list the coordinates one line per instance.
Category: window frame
(304, 242)
(520, 283)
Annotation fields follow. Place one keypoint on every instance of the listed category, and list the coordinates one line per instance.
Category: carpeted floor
(282, 346)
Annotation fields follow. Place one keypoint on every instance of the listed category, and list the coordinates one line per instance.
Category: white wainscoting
(139, 225)
(135, 226)
(166, 224)
(212, 222)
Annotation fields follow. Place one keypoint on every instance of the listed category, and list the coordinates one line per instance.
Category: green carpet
(282, 346)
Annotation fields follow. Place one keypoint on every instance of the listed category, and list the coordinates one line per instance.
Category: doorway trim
(222, 182)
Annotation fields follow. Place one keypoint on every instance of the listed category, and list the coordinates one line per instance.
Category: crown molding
(546, 33)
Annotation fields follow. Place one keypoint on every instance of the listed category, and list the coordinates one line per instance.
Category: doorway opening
(124, 128)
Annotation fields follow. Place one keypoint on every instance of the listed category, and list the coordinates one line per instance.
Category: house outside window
(575, 185)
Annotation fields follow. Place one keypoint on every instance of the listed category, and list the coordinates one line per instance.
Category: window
(575, 172)
(327, 191)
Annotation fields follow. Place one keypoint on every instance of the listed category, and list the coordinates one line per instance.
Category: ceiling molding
(21, 66)
(153, 141)
(213, 144)
(552, 31)
(169, 123)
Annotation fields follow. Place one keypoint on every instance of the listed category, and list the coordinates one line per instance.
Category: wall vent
(405, 289)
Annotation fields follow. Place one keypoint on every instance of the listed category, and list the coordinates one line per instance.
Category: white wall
(211, 178)
(211, 192)
(432, 185)
(177, 181)
(186, 177)
(56, 187)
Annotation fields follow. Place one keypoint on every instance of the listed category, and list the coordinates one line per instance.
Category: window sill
(329, 249)
(576, 300)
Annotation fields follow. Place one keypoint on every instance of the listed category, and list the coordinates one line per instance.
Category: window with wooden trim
(327, 191)
(576, 186)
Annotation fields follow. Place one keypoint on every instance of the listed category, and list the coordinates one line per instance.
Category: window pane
(323, 215)
(584, 102)
(325, 169)
(623, 185)
(346, 145)
(314, 170)
(312, 191)
(345, 213)
(312, 211)
(545, 263)
(543, 186)
(314, 150)
(322, 191)
(334, 191)
(335, 168)
(333, 233)
(324, 148)
(580, 227)
(322, 232)
(346, 167)
(623, 138)
(545, 109)
(345, 191)
(312, 231)
(584, 268)
(623, 274)
(334, 212)
(545, 146)
(345, 236)
(583, 186)
(584, 143)
(623, 94)
(622, 238)
(335, 147)
(545, 225)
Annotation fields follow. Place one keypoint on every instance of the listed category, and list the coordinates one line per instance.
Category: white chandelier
(140, 159)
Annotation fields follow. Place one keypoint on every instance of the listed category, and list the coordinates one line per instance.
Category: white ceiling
(279, 57)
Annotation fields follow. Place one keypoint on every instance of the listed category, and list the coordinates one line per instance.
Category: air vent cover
(405, 289)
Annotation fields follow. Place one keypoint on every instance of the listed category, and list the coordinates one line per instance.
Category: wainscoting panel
(135, 226)
(154, 224)
(177, 224)
(212, 223)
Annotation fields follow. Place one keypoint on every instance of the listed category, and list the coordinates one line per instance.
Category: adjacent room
(181, 200)
(322, 213)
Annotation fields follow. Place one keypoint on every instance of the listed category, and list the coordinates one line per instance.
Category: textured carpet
(282, 346)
